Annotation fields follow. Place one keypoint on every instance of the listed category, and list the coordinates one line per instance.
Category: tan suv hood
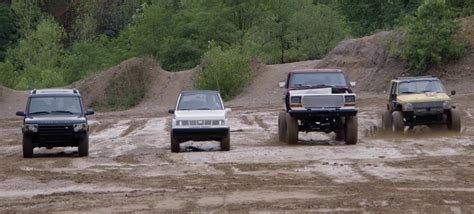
(423, 97)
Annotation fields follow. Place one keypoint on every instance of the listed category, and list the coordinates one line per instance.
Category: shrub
(126, 89)
(226, 71)
(429, 40)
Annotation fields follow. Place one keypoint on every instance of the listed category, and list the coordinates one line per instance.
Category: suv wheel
(225, 143)
(83, 147)
(340, 135)
(291, 135)
(387, 120)
(174, 144)
(351, 130)
(397, 122)
(27, 147)
(454, 123)
(282, 126)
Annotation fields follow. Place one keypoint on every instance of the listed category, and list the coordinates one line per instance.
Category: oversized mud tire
(398, 126)
(174, 144)
(351, 130)
(291, 136)
(454, 123)
(387, 121)
(83, 147)
(282, 126)
(225, 143)
(340, 135)
(27, 147)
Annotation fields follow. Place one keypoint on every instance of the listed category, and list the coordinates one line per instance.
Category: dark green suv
(55, 118)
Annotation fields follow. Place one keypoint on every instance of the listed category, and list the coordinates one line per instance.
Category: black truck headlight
(31, 128)
(80, 127)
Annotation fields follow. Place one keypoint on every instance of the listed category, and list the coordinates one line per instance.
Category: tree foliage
(7, 30)
(429, 40)
(227, 71)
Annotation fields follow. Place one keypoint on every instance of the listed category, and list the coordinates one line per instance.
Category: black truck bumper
(300, 114)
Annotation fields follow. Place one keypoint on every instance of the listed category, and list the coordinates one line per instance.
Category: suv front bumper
(199, 134)
(322, 113)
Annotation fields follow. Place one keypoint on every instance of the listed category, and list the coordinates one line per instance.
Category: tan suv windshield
(420, 86)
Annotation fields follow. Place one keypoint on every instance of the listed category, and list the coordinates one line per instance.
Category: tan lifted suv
(419, 101)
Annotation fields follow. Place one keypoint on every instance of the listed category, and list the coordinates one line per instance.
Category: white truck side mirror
(282, 84)
(353, 84)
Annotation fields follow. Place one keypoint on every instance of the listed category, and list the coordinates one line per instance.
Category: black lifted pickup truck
(55, 118)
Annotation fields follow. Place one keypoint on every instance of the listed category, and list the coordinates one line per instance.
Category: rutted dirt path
(131, 168)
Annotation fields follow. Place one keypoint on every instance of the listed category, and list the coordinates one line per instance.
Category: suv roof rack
(415, 77)
(75, 91)
(33, 91)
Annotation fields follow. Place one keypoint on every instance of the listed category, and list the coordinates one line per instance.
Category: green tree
(429, 40)
(227, 71)
(7, 30)
(38, 56)
(28, 15)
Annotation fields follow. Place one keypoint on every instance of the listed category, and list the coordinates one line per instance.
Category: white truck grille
(323, 101)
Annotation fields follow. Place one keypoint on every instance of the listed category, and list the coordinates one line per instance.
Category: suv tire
(454, 123)
(83, 148)
(387, 121)
(291, 135)
(351, 130)
(27, 147)
(174, 144)
(398, 125)
(282, 126)
(340, 135)
(225, 143)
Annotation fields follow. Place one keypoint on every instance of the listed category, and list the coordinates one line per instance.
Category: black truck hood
(56, 119)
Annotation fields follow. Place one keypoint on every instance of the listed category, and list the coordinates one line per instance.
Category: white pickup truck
(199, 116)
(318, 100)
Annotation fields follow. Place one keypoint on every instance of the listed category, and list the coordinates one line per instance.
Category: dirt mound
(367, 61)
(264, 90)
(11, 101)
(160, 89)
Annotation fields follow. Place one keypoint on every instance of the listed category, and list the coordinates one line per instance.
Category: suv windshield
(330, 79)
(55, 105)
(420, 86)
(200, 101)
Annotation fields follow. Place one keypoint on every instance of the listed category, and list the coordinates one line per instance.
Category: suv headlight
(182, 122)
(81, 127)
(446, 104)
(31, 128)
(407, 107)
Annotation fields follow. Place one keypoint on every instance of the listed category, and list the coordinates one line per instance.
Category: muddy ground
(131, 168)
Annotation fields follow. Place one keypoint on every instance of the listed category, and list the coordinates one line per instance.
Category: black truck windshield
(200, 101)
(420, 86)
(323, 79)
(55, 105)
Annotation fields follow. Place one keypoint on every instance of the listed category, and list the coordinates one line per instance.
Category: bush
(225, 71)
(429, 40)
(126, 89)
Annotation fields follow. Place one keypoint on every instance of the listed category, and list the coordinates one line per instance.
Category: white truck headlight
(182, 122)
(407, 107)
(80, 127)
(31, 128)
(446, 104)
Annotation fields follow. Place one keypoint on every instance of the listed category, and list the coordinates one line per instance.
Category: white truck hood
(200, 115)
(311, 91)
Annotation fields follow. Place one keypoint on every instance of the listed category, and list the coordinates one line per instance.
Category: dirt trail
(130, 168)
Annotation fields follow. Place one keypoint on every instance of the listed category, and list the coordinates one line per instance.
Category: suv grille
(55, 130)
(323, 101)
(428, 105)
